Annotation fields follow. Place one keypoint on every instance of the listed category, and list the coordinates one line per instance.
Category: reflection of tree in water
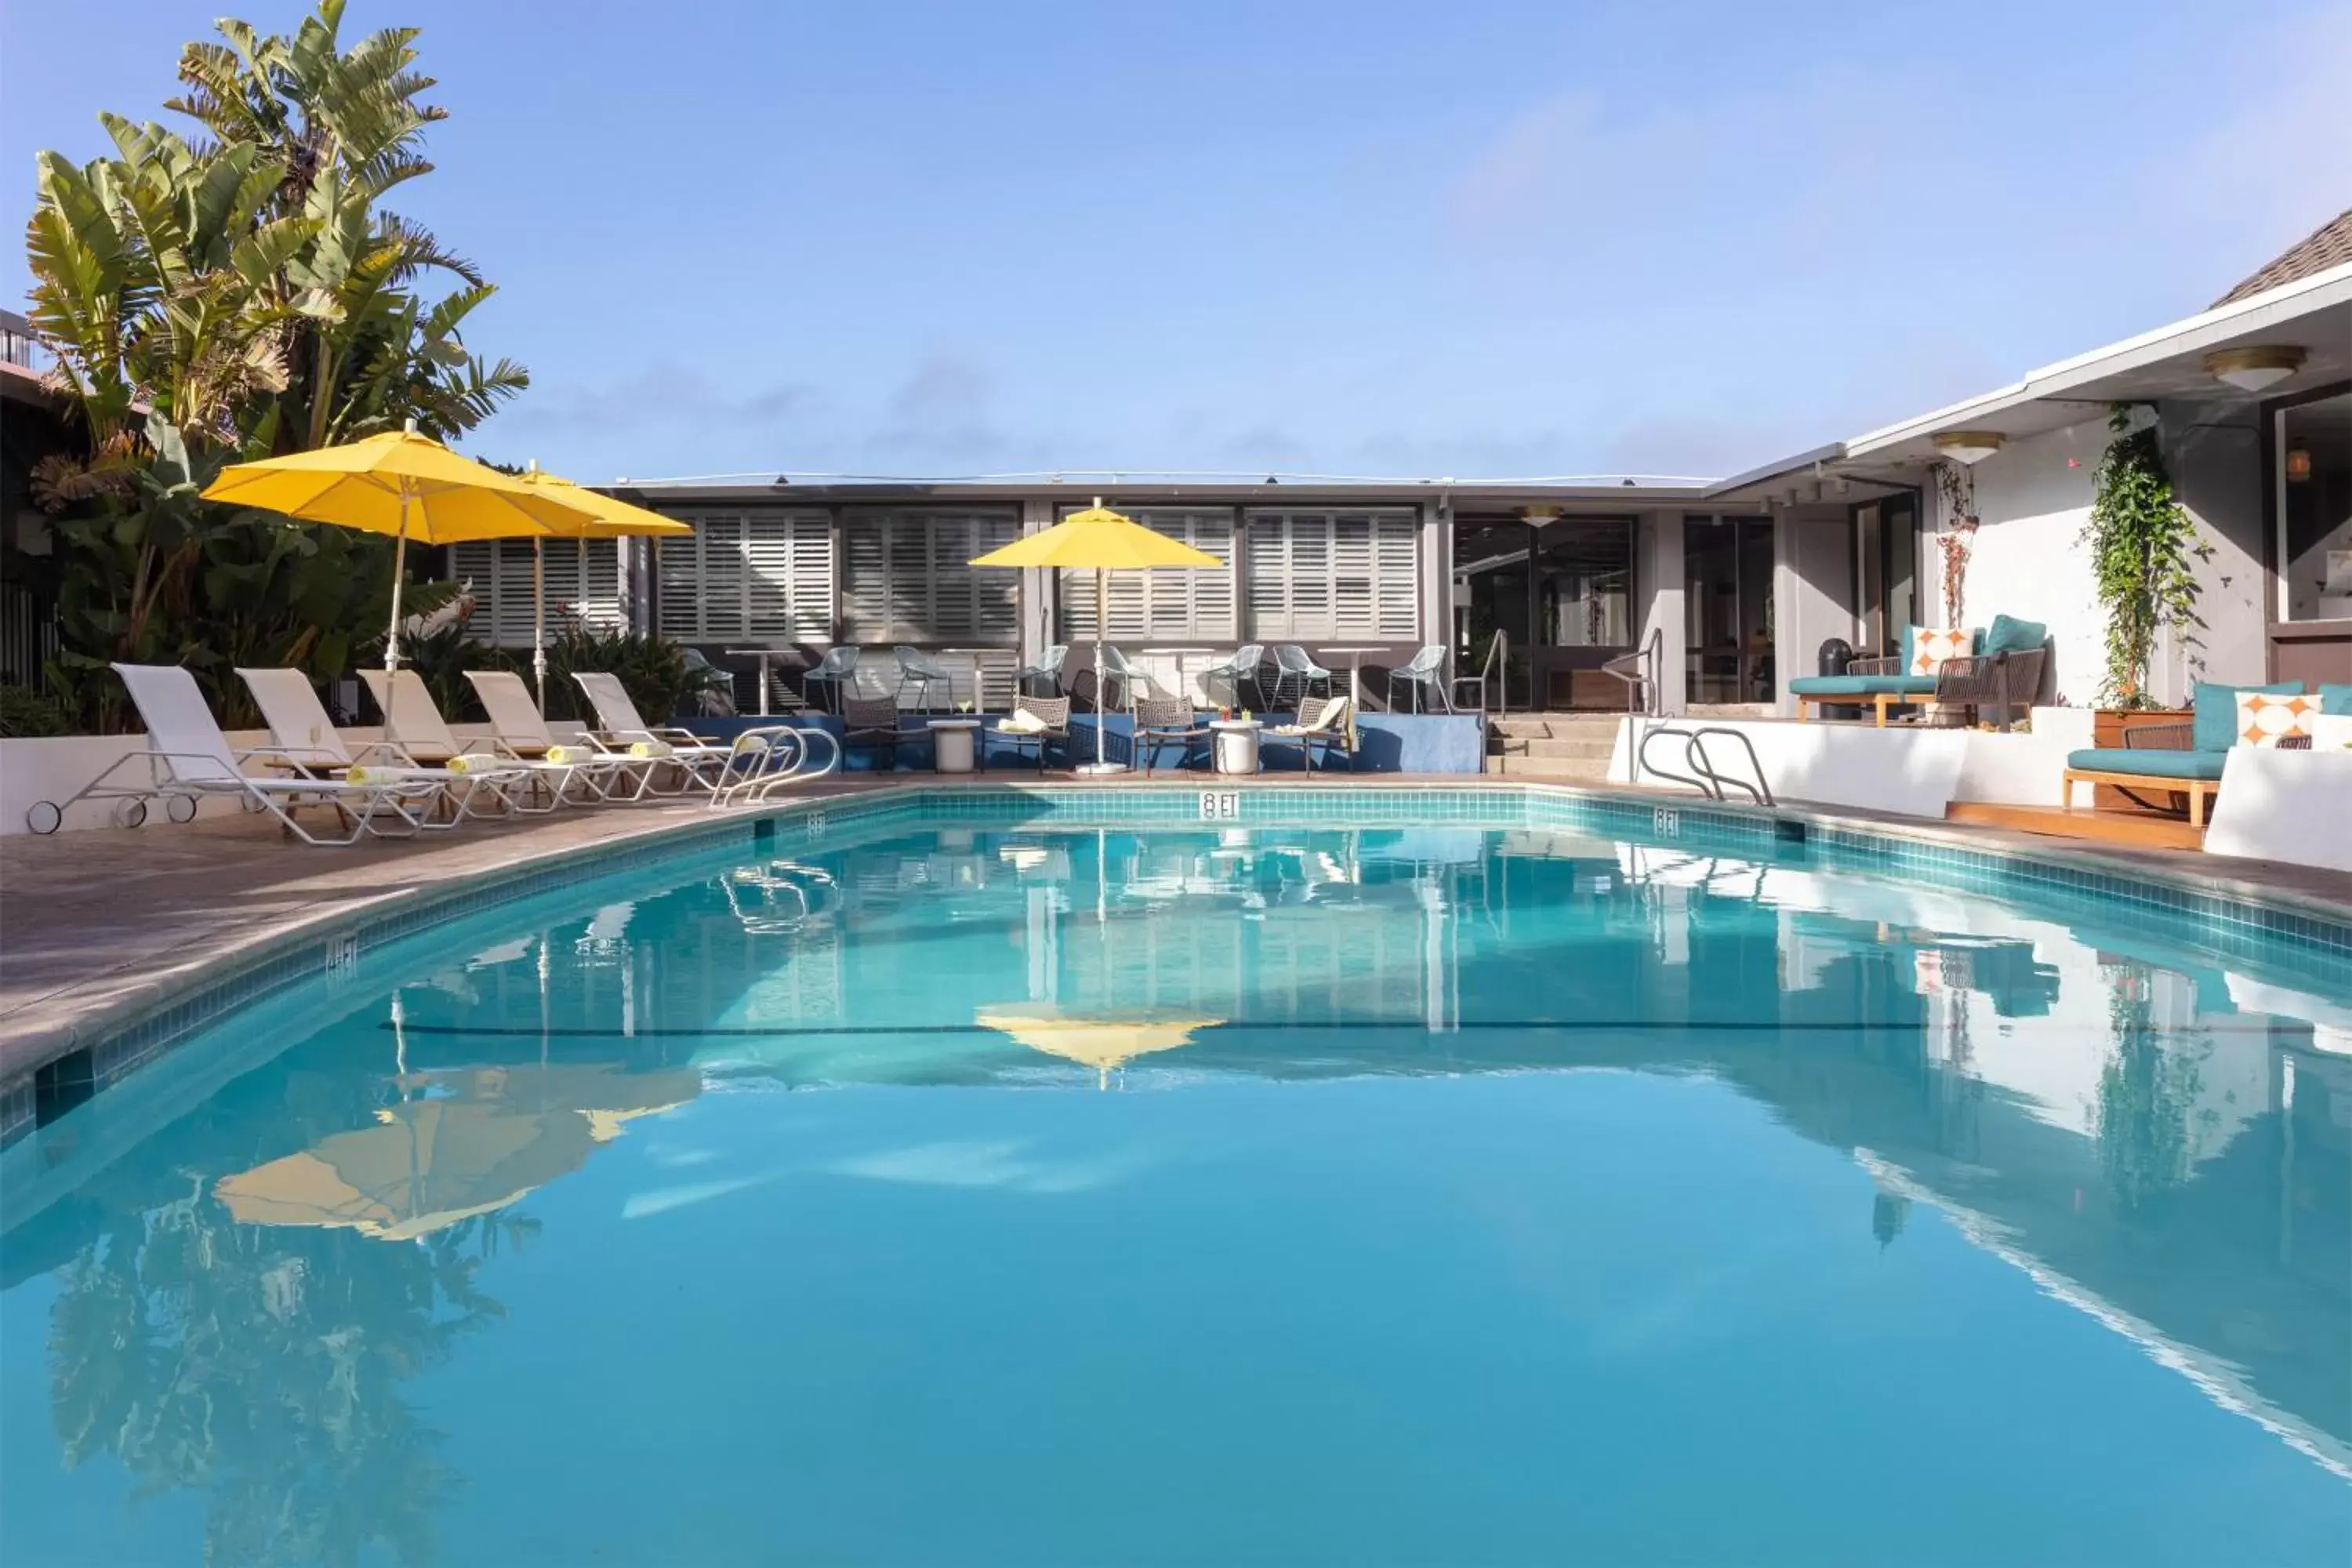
(1889, 1214)
(2145, 1095)
(262, 1364)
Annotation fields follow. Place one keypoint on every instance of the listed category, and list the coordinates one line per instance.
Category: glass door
(1727, 610)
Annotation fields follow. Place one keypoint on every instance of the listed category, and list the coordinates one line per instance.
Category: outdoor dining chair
(836, 671)
(1425, 674)
(1047, 669)
(921, 672)
(1244, 665)
(1039, 721)
(1161, 719)
(1325, 726)
(1119, 674)
(1296, 672)
(870, 724)
(1489, 673)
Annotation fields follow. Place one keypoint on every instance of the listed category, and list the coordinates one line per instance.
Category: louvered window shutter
(1168, 602)
(1333, 575)
(1396, 575)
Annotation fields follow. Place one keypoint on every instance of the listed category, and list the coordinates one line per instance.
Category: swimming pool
(895, 1189)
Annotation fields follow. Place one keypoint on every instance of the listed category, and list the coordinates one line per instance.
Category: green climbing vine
(2144, 551)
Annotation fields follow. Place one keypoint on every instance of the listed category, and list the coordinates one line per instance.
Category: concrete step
(1554, 726)
(1580, 770)
(1729, 710)
(1544, 746)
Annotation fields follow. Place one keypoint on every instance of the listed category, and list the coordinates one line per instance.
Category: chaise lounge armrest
(1888, 664)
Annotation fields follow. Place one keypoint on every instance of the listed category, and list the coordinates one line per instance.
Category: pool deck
(100, 928)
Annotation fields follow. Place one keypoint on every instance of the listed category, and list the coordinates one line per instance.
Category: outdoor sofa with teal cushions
(2185, 761)
(2002, 672)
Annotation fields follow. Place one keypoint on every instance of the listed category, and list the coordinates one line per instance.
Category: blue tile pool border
(2234, 917)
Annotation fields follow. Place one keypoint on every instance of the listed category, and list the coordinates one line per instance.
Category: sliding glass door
(1727, 609)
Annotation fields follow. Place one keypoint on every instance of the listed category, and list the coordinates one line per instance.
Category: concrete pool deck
(99, 929)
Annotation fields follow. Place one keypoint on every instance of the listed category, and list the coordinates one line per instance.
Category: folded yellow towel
(649, 749)
(359, 775)
(750, 743)
(471, 762)
(1021, 723)
(569, 756)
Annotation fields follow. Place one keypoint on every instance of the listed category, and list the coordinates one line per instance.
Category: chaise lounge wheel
(180, 808)
(130, 812)
(44, 817)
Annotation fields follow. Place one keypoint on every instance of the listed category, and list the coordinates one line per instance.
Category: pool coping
(95, 1045)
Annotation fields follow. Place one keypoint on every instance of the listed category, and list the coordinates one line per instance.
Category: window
(1583, 580)
(498, 572)
(1175, 602)
(1328, 575)
(762, 576)
(2314, 509)
(905, 576)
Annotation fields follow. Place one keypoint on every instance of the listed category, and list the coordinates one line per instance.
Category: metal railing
(1703, 776)
(1639, 671)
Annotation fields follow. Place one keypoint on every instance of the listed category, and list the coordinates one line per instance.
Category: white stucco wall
(2029, 560)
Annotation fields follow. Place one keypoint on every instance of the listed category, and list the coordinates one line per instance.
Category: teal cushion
(1864, 685)
(2336, 697)
(2150, 761)
(2216, 711)
(2009, 634)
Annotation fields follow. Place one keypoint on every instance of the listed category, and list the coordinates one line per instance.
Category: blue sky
(1480, 238)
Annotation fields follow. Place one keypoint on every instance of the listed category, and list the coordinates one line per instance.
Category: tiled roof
(2329, 246)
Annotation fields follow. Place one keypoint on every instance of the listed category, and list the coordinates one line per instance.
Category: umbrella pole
(539, 618)
(399, 570)
(391, 633)
(1102, 630)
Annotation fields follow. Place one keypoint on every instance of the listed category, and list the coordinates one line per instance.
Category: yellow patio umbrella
(1102, 538)
(402, 483)
(605, 517)
(1101, 1043)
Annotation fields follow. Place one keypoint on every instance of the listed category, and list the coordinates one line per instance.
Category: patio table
(953, 742)
(1355, 684)
(1183, 684)
(1235, 745)
(763, 655)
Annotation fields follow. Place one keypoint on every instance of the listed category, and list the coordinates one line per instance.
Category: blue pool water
(1045, 1196)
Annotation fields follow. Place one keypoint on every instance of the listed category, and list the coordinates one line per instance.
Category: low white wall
(2294, 807)
(1914, 772)
(51, 769)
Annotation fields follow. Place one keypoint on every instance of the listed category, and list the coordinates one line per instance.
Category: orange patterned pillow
(2264, 719)
(1931, 645)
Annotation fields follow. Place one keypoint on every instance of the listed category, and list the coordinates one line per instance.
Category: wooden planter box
(2107, 730)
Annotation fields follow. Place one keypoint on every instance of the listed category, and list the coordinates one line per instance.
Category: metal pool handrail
(1704, 777)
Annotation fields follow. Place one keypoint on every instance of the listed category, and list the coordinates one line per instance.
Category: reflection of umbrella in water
(428, 1164)
(425, 1165)
(1101, 1043)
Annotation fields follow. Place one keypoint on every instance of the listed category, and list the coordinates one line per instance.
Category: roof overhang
(2313, 313)
(1462, 496)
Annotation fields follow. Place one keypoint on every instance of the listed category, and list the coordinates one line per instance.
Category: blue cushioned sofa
(2184, 761)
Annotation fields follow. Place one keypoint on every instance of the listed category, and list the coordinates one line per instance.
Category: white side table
(1236, 744)
(953, 742)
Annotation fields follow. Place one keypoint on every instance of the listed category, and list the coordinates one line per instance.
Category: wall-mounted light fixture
(2254, 370)
(1538, 516)
(1968, 446)
(2298, 464)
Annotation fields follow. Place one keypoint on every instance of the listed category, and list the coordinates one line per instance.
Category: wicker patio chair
(1160, 719)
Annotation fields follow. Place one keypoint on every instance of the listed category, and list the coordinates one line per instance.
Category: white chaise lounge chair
(412, 720)
(522, 731)
(308, 743)
(187, 758)
(751, 765)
